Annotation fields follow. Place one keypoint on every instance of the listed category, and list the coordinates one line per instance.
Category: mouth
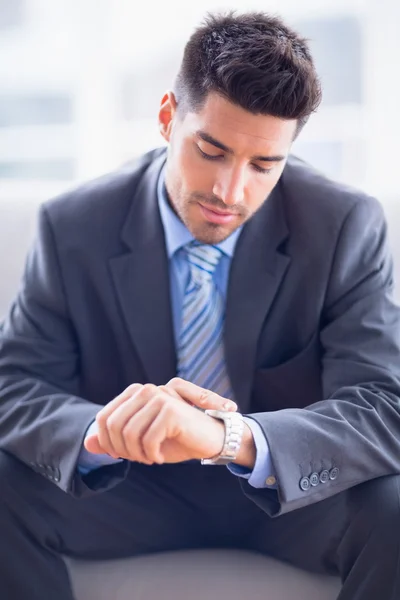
(216, 216)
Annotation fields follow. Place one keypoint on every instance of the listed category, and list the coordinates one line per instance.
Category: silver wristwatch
(234, 426)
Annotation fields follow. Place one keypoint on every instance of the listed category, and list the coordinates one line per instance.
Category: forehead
(239, 129)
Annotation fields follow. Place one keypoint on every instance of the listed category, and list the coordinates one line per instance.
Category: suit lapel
(257, 270)
(141, 279)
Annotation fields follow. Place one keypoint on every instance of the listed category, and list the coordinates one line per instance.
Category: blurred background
(81, 81)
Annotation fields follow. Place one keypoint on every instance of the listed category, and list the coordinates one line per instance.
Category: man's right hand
(177, 388)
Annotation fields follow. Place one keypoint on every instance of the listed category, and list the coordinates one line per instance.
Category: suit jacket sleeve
(355, 428)
(43, 418)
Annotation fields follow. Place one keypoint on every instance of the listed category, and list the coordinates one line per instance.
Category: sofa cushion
(198, 575)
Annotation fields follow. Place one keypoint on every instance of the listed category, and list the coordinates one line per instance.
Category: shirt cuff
(88, 462)
(262, 476)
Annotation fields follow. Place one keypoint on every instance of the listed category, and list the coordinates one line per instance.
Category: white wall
(103, 55)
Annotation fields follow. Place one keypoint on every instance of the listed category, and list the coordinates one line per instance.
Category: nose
(230, 186)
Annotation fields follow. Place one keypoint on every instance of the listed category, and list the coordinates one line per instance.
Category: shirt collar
(176, 233)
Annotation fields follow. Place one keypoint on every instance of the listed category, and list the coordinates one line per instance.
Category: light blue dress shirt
(176, 236)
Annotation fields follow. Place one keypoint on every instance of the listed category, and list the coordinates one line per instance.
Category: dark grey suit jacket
(311, 338)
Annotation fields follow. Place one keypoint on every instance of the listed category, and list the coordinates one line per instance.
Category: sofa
(188, 575)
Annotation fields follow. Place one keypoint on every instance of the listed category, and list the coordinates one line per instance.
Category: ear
(166, 115)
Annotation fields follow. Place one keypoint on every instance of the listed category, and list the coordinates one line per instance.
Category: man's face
(222, 164)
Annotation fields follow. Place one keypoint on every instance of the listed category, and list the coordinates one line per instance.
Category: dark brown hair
(255, 61)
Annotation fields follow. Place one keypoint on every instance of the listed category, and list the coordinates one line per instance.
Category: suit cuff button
(305, 484)
(333, 473)
(324, 476)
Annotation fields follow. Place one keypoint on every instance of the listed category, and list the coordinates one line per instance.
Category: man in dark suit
(220, 274)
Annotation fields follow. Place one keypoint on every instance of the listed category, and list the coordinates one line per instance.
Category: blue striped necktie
(200, 349)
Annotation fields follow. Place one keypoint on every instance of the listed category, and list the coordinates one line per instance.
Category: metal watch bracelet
(234, 426)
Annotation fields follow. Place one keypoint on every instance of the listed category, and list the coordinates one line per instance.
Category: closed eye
(209, 156)
(206, 156)
(262, 169)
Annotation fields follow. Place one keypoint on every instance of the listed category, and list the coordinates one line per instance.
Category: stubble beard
(204, 232)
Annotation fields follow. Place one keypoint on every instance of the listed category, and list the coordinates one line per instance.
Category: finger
(117, 421)
(153, 438)
(92, 444)
(170, 391)
(136, 429)
(104, 414)
(109, 408)
(200, 397)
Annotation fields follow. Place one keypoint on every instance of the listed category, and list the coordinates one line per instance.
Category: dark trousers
(355, 533)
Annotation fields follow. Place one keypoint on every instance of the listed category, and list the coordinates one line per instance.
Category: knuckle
(129, 391)
(172, 393)
(175, 382)
(133, 387)
(149, 388)
(101, 419)
(205, 396)
(158, 401)
(130, 436)
(165, 403)
(112, 424)
(126, 433)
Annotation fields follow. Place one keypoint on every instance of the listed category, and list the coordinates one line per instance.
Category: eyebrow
(211, 140)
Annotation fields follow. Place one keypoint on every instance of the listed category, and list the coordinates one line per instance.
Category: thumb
(92, 444)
